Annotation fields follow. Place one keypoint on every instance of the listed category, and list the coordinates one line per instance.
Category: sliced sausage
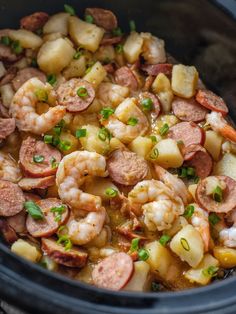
(148, 83)
(11, 199)
(31, 197)
(7, 127)
(18, 222)
(34, 21)
(25, 74)
(113, 272)
(126, 167)
(125, 77)
(155, 69)
(4, 111)
(110, 68)
(187, 132)
(6, 54)
(48, 225)
(75, 257)
(202, 162)
(188, 110)
(9, 76)
(110, 40)
(30, 150)
(211, 101)
(103, 18)
(27, 184)
(155, 101)
(7, 232)
(191, 150)
(67, 95)
(208, 203)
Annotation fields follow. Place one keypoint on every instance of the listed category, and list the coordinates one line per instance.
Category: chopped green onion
(154, 154)
(51, 79)
(16, 47)
(164, 239)
(211, 271)
(38, 158)
(5, 40)
(106, 112)
(69, 9)
(62, 228)
(217, 194)
(187, 172)
(190, 172)
(182, 172)
(119, 48)
(89, 19)
(102, 135)
(34, 210)
(147, 104)
(132, 121)
(153, 138)
(117, 32)
(53, 162)
(55, 141)
(34, 63)
(48, 139)
(213, 219)
(82, 92)
(196, 179)
(59, 210)
(42, 95)
(155, 286)
(57, 130)
(64, 145)
(164, 129)
(132, 26)
(143, 254)
(185, 244)
(65, 241)
(78, 54)
(89, 66)
(80, 133)
(188, 211)
(134, 245)
(110, 192)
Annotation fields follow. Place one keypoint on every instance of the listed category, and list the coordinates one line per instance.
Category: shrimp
(83, 230)
(173, 183)
(127, 122)
(111, 95)
(227, 236)
(23, 107)
(71, 174)
(199, 220)
(153, 49)
(9, 169)
(219, 124)
(160, 205)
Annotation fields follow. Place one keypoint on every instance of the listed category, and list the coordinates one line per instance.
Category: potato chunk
(162, 87)
(96, 75)
(57, 23)
(226, 166)
(188, 245)
(85, 34)
(26, 250)
(226, 256)
(139, 280)
(213, 144)
(141, 146)
(26, 38)
(133, 47)
(55, 55)
(184, 80)
(97, 186)
(192, 189)
(76, 68)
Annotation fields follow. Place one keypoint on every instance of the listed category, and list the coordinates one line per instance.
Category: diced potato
(22, 63)
(26, 38)
(226, 166)
(96, 75)
(2, 69)
(105, 53)
(57, 23)
(95, 107)
(159, 258)
(97, 186)
(213, 144)
(192, 190)
(139, 280)
(48, 263)
(71, 140)
(76, 68)
(226, 256)
(111, 95)
(52, 36)
(7, 94)
(92, 142)
(141, 146)
(178, 224)
(167, 154)
(199, 274)
(81, 119)
(26, 250)
(188, 245)
(169, 119)
(162, 87)
(115, 144)
(85, 34)
(184, 80)
(55, 55)
(133, 47)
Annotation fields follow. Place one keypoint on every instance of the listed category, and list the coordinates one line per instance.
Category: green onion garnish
(217, 194)
(42, 95)
(80, 133)
(147, 104)
(213, 219)
(16, 47)
(34, 210)
(164, 239)
(53, 162)
(153, 138)
(185, 244)
(38, 158)
(119, 48)
(59, 210)
(106, 112)
(78, 54)
(154, 154)
(48, 139)
(132, 26)
(82, 92)
(164, 129)
(211, 271)
(51, 79)
(134, 245)
(89, 19)
(188, 211)
(5, 40)
(110, 192)
(65, 241)
(69, 9)
(117, 32)
(64, 145)
(132, 121)
(143, 254)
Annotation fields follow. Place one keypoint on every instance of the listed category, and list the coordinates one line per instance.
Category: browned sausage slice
(125, 77)
(25, 74)
(191, 150)
(76, 95)
(126, 167)
(113, 272)
(7, 127)
(7, 232)
(110, 40)
(34, 21)
(7, 55)
(27, 184)
(155, 103)
(211, 101)
(75, 257)
(155, 69)
(188, 110)
(18, 221)
(9, 76)
(38, 159)
(103, 18)
(11, 199)
(208, 203)
(48, 225)
(31, 197)
(202, 162)
(187, 132)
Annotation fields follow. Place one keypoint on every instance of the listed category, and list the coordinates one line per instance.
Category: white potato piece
(52, 36)
(184, 80)
(162, 87)
(213, 144)
(76, 68)
(26, 38)
(226, 166)
(188, 245)
(81, 119)
(7, 94)
(97, 186)
(55, 55)
(141, 146)
(116, 144)
(105, 53)
(57, 23)
(169, 119)
(200, 274)
(226, 256)
(133, 47)
(139, 279)
(96, 75)
(95, 107)
(71, 140)
(178, 224)
(111, 95)
(84, 34)
(167, 154)
(26, 250)
(192, 190)
(22, 63)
